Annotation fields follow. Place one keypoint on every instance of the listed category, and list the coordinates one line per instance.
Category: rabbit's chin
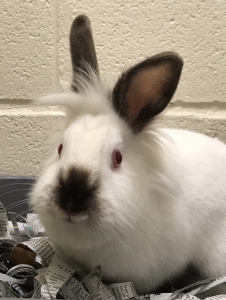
(76, 231)
(59, 218)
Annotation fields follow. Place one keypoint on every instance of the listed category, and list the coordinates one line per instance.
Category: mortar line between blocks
(198, 105)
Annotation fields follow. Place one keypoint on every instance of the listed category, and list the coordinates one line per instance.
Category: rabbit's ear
(83, 54)
(145, 90)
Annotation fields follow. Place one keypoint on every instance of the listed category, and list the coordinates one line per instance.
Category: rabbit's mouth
(72, 218)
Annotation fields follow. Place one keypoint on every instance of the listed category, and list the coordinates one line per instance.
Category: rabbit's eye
(60, 148)
(116, 159)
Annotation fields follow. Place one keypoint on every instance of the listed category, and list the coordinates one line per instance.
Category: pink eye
(116, 159)
(60, 148)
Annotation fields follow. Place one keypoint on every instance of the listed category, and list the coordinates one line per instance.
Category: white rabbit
(120, 192)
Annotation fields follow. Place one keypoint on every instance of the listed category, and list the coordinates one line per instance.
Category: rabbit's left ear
(83, 54)
(145, 90)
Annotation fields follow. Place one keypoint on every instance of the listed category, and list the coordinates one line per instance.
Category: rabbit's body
(174, 228)
(141, 202)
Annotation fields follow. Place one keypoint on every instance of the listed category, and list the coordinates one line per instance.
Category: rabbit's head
(109, 164)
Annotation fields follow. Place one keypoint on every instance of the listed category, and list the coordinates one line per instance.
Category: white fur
(163, 208)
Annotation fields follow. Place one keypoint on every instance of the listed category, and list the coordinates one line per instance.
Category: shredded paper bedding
(30, 268)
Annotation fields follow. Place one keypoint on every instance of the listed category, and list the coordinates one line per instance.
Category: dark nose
(75, 193)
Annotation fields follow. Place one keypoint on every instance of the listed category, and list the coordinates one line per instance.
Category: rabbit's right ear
(145, 90)
(83, 54)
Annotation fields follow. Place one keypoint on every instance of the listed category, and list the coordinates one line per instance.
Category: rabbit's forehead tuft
(89, 140)
(92, 126)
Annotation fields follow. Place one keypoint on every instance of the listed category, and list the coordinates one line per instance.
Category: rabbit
(121, 191)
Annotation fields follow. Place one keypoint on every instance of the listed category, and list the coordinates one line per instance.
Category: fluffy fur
(165, 207)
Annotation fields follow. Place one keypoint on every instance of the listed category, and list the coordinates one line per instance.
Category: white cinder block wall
(34, 60)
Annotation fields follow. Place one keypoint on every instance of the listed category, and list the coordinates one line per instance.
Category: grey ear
(83, 54)
(145, 90)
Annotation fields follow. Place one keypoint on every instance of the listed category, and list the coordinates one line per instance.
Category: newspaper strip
(38, 282)
(73, 288)
(213, 284)
(17, 234)
(7, 291)
(3, 221)
(44, 285)
(162, 296)
(97, 289)
(35, 224)
(182, 291)
(204, 285)
(43, 247)
(186, 297)
(37, 289)
(218, 297)
(20, 226)
(3, 228)
(6, 278)
(56, 275)
(124, 291)
(3, 214)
